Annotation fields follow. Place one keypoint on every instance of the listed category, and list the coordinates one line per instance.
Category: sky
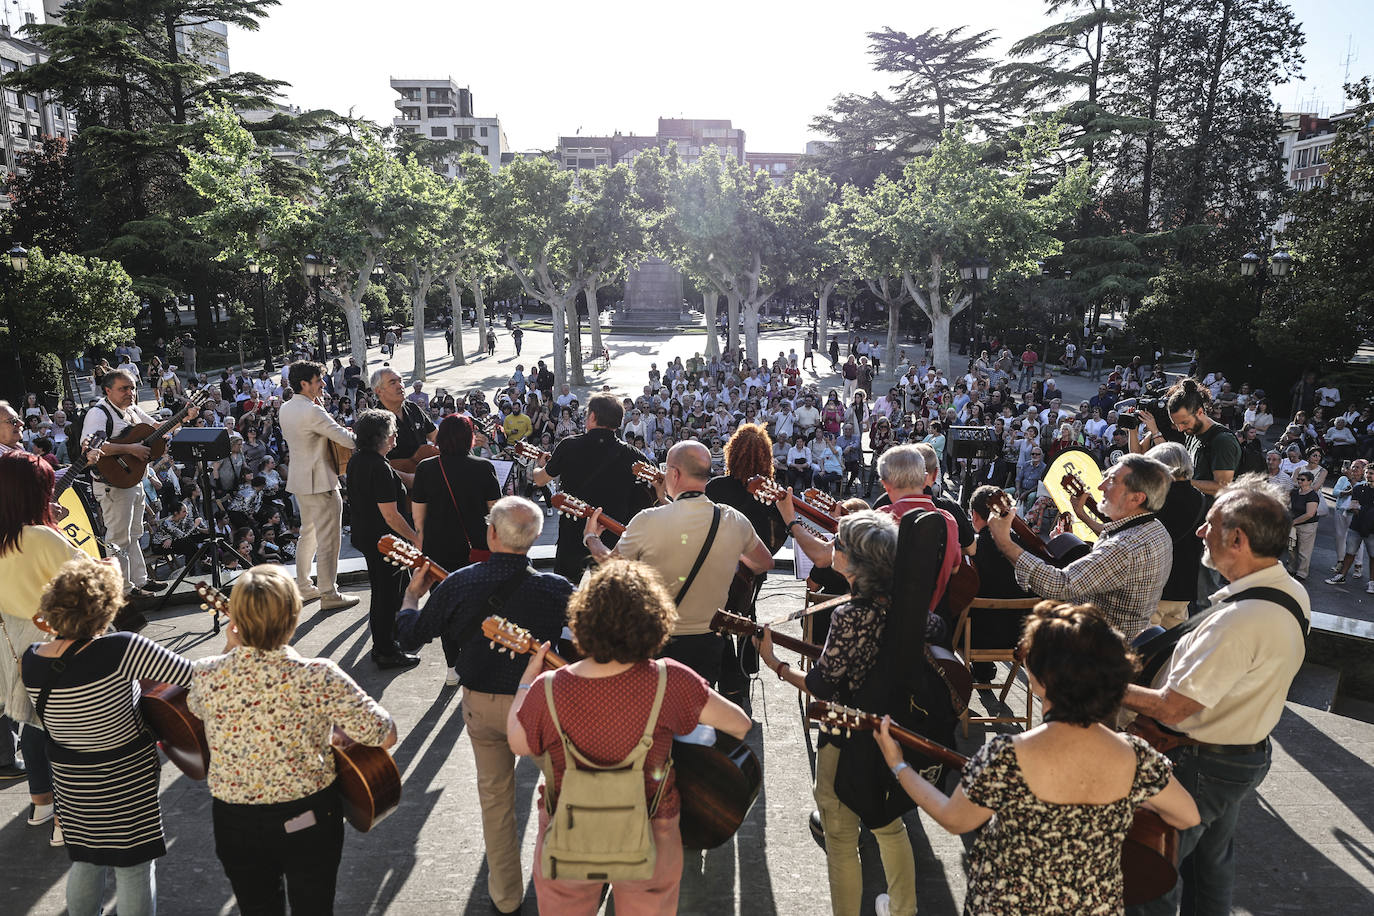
(554, 68)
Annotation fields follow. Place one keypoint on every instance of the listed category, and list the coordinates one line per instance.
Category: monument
(653, 295)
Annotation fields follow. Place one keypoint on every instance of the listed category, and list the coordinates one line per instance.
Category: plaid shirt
(1124, 575)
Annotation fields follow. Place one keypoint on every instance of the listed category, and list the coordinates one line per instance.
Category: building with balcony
(442, 110)
(778, 166)
(26, 119)
(694, 135)
(1303, 143)
(577, 152)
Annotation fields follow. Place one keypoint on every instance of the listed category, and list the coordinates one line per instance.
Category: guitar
(949, 665)
(823, 501)
(73, 473)
(124, 470)
(530, 452)
(1149, 857)
(647, 473)
(1075, 486)
(768, 490)
(408, 465)
(400, 552)
(717, 783)
(369, 782)
(1060, 552)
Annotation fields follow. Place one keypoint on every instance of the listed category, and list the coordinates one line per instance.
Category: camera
(1128, 411)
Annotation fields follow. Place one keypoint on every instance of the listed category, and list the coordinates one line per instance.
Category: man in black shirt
(595, 468)
(413, 427)
(535, 601)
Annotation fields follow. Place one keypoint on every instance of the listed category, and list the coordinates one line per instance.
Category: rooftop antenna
(1351, 55)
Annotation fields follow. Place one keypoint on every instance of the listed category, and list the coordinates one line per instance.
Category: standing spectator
(491, 342)
(1361, 529)
(1302, 504)
(188, 355)
(1099, 355)
(518, 336)
(1352, 472)
(1028, 360)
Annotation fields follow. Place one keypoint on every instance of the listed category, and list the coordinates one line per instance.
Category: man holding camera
(1215, 450)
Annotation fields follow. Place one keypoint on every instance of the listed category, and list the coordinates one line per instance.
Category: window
(438, 95)
(1303, 155)
(485, 151)
(586, 163)
(1321, 154)
(410, 114)
(438, 131)
(410, 95)
(484, 130)
(12, 97)
(7, 65)
(570, 163)
(444, 112)
(1316, 182)
(31, 102)
(464, 133)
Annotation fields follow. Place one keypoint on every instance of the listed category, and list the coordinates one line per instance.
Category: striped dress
(105, 764)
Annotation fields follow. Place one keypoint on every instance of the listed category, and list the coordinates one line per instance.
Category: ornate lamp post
(19, 263)
(255, 268)
(973, 273)
(315, 269)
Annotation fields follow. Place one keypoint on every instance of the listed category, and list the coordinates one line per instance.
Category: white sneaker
(1370, 587)
(451, 678)
(1358, 570)
(39, 814)
(882, 905)
(309, 594)
(57, 839)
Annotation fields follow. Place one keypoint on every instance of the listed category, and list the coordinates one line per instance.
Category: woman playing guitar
(1072, 778)
(268, 715)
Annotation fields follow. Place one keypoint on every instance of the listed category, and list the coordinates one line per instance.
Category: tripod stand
(211, 545)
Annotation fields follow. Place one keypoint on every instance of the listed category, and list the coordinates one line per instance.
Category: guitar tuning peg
(492, 644)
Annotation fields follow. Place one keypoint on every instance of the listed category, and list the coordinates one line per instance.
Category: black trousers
(388, 591)
(703, 653)
(267, 865)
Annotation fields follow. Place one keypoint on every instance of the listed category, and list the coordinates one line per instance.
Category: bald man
(673, 538)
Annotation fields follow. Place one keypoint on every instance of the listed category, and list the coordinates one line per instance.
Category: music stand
(203, 446)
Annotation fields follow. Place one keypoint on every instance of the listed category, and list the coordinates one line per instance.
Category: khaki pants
(321, 532)
(1304, 537)
(1169, 614)
(484, 714)
(122, 511)
(842, 848)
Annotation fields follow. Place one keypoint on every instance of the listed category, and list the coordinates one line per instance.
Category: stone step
(1316, 686)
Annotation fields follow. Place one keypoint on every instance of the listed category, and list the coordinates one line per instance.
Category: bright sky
(549, 68)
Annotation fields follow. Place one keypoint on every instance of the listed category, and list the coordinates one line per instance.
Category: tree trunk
(894, 332)
(823, 316)
(594, 313)
(710, 301)
(455, 298)
(1147, 164)
(939, 325)
(560, 356)
(933, 305)
(1197, 194)
(417, 318)
(480, 308)
(574, 339)
(357, 340)
(732, 317)
(751, 330)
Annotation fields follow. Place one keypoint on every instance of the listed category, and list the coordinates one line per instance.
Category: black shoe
(12, 771)
(497, 909)
(154, 585)
(817, 829)
(130, 622)
(395, 659)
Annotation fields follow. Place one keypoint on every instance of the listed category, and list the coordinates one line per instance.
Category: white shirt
(806, 417)
(798, 457)
(1328, 396)
(1239, 662)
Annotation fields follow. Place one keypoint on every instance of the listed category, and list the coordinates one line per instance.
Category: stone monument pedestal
(653, 296)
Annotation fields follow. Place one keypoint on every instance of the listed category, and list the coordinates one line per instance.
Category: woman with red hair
(32, 550)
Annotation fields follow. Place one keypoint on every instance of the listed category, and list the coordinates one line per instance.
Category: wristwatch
(897, 770)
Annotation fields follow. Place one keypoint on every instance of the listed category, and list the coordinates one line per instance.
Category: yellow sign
(77, 525)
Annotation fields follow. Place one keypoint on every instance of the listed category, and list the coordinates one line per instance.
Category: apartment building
(25, 119)
(442, 110)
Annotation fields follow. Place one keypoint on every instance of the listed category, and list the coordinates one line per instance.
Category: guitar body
(408, 465)
(717, 784)
(339, 456)
(181, 734)
(368, 781)
(962, 587)
(1149, 858)
(953, 672)
(125, 471)
(1066, 548)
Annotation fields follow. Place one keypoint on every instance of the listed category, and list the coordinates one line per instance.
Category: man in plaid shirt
(1124, 575)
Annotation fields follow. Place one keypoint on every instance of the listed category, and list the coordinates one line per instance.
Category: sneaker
(1358, 570)
(309, 594)
(882, 905)
(338, 602)
(57, 839)
(451, 678)
(1370, 587)
(154, 585)
(1337, 580)
(39, 814)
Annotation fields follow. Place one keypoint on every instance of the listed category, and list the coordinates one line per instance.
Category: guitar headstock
(400, 552)
(93, 441)
(1073, 481)
(725, 622)
(1000, 503)
(647, 472)
(526, 450)
(838, 719)
(765, 489)
(212, 599)
(823, 501)
(571, 506)
(507, 637)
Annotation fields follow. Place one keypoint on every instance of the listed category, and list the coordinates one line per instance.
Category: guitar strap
(495, 605)
(462, 526)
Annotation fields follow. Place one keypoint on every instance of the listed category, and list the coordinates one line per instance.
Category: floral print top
(1038, 857)
(269, 715)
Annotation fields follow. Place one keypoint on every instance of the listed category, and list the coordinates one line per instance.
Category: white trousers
(321, 533)
(123, 514)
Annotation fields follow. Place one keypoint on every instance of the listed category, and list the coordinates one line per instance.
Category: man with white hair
(509, 586)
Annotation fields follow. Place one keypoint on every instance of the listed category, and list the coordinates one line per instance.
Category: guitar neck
(1029, 539)
(903, 736)
(746, 627)
(170, 423)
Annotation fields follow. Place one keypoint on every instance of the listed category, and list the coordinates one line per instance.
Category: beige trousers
(484, 714)
(122, 512)
(321, 532)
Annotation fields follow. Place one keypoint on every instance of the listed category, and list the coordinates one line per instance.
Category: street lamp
(19, 262)
(314, 271)
(19, 259)
(974, 272)
(1280, 264)
(255, 268)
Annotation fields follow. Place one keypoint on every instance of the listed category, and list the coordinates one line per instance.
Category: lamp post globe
(1280, 264)
(1249, 264)
(19, 259)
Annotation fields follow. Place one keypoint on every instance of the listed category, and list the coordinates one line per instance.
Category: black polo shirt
(371, 482)
(455, 519)
(595, 467)
(412, 430)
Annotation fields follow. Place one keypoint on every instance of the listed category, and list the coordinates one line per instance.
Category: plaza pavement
(1306, 842)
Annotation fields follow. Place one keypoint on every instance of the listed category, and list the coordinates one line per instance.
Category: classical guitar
(1074, 484)
(124, 470)
(73, 473)
(408, 465)
(768, 490)
(823, 501)
(400, 552)
(1067, 547)
(717, 783)
(1149, 857)
(530, 452)
(646, 472)
(950, 666)
(369, 782)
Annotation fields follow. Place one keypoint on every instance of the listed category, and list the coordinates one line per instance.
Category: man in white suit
(311, 479)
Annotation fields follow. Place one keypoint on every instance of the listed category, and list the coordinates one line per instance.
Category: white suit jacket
(307, 426)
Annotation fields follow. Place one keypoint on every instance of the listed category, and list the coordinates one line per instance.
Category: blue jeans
(1219, 783)
(33, 741)
(135, 889)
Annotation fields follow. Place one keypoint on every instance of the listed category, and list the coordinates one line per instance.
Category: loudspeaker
(196, 444)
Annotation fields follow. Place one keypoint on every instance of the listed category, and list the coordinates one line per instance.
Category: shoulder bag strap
(1279, 597)
(461, 525)
(701, 557)
(55, 671)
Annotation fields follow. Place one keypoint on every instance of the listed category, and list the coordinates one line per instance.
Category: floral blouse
(851, 649)
(269, 715)
(1038, 857)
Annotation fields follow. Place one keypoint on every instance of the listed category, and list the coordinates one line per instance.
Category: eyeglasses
(15, 422)
(839, 545)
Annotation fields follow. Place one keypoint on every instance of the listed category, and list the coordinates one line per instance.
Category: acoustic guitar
(1149, 857)
(717, 783)
(767, 490)
(124, 470)
(1062, 549)
(530, 452)
(73, 473)
(408, 465)
(369, 782)
(950, 666)
(823, 501)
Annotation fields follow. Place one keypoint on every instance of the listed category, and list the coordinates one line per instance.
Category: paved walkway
(1305, 843)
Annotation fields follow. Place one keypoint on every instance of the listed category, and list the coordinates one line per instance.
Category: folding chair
(963, 639)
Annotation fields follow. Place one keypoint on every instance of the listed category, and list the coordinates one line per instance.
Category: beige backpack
(599, 830)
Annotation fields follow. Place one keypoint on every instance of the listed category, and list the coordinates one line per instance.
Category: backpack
(600, 830)
(1251, 462)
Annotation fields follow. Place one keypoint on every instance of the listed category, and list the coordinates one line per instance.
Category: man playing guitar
(695, 546)
(413, 427)
(122, 507)
(594, 467)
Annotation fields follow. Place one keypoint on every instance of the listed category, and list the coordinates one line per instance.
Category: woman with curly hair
(620, 620)
(104, 762)
(1059, 799)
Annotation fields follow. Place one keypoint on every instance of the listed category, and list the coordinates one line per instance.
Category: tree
(68, 303)
(865, 231)
(615, 235)
(415, 244)
(952, 206)
(819, 258)
(44, 207)
(469, 257)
